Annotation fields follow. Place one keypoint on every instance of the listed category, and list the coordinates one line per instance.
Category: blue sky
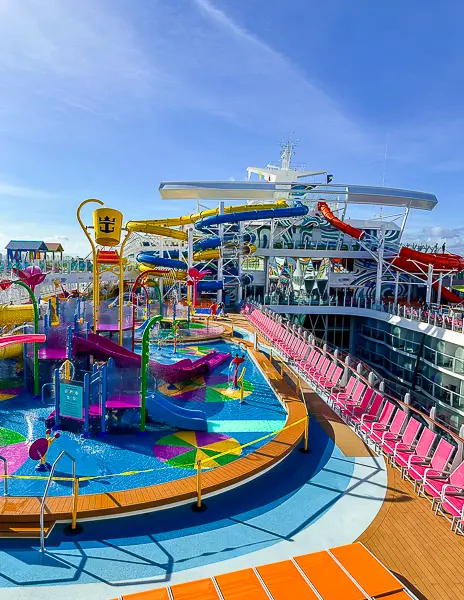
(106, 99)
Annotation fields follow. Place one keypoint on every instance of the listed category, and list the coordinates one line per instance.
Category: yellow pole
(281, 369)
(75, 498)
(198, 483)
(96, 283)
(306, 434)
(121, 285)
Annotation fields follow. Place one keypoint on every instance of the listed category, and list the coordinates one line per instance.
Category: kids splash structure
(123, 390)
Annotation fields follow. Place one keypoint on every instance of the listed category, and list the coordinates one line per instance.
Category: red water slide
(21, 339)
(445, 261)
(353, 232)
(408, 258)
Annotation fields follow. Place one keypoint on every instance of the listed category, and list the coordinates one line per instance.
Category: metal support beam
(428, 294)
(397, 280)
(440, 283)
(378, 283)
(220, 267)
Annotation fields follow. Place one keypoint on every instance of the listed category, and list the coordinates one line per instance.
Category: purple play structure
(187, 369)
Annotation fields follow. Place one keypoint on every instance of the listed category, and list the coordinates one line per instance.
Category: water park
(225, 404)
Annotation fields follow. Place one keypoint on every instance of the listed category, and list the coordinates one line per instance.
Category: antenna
(385, 159)
(287, 153)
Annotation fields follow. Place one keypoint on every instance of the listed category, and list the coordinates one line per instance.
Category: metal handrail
(44, 497)
(5, 478)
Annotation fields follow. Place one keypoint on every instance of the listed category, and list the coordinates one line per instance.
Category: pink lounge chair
(303, 351)
(403, 458)
(390, 445)
(295, 353)
(370, 413)
(452, 502)
(418, 471)
(328, 374)
(392, 432)
(355, 397)
(307, 360)
(345, 392)
(331, 382)
(321, 370)
(312, 360)
(437, 486)
(358, 408)
(321, 376)
(369, 425)
(317, 364)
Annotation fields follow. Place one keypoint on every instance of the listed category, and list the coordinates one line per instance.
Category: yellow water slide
(215, 253)
(12, 315)
(162, 227)
(164, 273)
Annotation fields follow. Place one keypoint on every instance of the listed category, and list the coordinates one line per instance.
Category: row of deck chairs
(419, 453)
(435, 318)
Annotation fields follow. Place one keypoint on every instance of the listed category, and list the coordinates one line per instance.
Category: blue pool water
(116, 453)
(274, 508)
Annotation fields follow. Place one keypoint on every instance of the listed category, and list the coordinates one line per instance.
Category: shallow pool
(166, 452)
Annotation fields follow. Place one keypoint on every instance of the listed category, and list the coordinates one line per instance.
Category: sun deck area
(415, 544)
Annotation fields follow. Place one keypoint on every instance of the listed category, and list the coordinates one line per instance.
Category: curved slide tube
(255, 214)
(168, 273)
(407, 257)
(22, 339)
(353, 232)
(440, 261)
(162, 409)
(209, 286)
(186, 369)
(162, 227)
(405, 264)
(147, 226)
(152, 259)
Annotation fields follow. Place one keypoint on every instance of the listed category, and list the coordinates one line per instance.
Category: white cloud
(11, 192)
(61, 56)
(437, 235)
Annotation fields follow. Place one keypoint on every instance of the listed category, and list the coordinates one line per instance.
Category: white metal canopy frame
(269, 191)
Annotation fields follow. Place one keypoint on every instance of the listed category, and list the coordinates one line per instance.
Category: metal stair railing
(45, 494)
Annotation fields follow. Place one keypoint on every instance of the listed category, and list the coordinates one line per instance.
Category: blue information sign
(71, 400)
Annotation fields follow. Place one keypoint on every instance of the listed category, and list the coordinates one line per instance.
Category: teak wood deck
(406, 536)
(19, 516)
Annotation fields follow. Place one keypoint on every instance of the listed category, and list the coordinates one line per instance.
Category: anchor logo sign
(106, 224)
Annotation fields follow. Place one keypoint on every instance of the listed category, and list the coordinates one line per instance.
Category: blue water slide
(298, 210)
(161, 409)
(212, 242)
(152, 259)
(208, 243)
(209, 286)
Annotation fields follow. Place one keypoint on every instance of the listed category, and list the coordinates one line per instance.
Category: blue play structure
(161, 409)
